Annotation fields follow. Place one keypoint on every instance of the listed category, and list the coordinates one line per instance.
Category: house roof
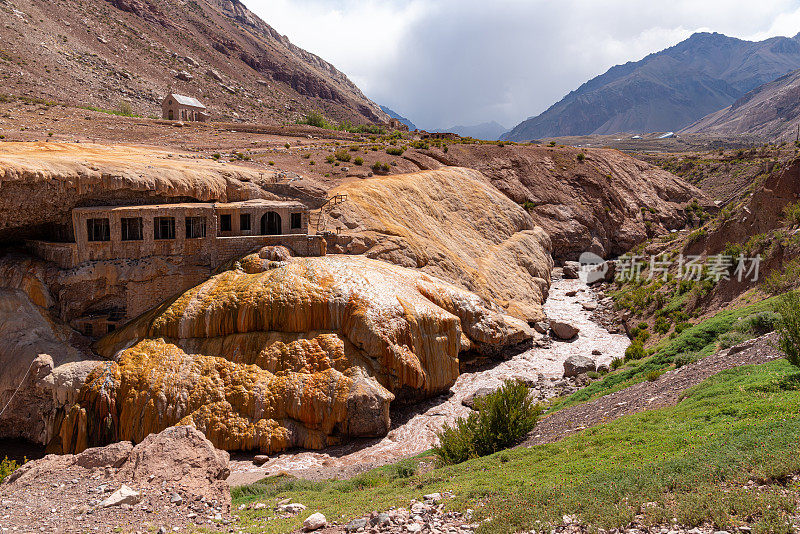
(187, 100)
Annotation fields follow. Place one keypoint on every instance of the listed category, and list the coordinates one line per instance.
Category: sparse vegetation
(358, 161)
(503, 419)
(581, 156)
(7, 467)
(789, 326)
(342, 155)
(395, 151)
(381, 168)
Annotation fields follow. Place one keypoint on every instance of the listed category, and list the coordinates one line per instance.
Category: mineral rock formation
(285, 354)
(453, 224)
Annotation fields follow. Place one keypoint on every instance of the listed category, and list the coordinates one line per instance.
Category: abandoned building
(198, 237)
(177, 107)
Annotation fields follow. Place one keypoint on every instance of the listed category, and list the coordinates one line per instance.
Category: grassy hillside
(692, 462)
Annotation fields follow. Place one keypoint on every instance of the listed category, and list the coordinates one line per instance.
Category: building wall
(256, 213)
(182, 112)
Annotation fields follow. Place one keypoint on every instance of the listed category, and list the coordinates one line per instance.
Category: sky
(443, 63)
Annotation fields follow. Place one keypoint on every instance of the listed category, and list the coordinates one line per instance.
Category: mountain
(770, 111)
(102, 53)
(667, 90)
(488, 131)
(395, 115)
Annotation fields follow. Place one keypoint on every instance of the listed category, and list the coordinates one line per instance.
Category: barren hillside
(102, 53)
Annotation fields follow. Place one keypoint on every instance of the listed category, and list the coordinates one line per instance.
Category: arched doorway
(271, 224)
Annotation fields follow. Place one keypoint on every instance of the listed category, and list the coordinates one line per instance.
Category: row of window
(131, 228)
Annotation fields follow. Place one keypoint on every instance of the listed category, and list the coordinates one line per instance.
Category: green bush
(729, 339)
(395, 150)
(616, 363)
(342, 155)
(420, 145)
(7, 467)
(789, 326)
(330, 158)
(662, 325)
(503, 419)
(654, 375)
(581, 156)
(358, 161)
(792, 213)
(635, 351)
(315, 119)
(381, 168)
(759, 324)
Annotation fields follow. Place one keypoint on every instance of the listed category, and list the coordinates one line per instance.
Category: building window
(297, 220)
(98, 230)
(244, 222)
(164, 228)
(225, 223)
(131, 228)
(195, 227)
(110, 327)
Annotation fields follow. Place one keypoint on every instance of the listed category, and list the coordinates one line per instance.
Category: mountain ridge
(666, 90)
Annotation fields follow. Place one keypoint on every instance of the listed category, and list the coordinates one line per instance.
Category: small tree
(789, 326)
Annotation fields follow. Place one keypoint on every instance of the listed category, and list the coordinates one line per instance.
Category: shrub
(395, 151)
(616, 363)
(759, 324)
(315, 119)
(581, 156)
(342, 155)
(359, 160)
(503, 419)
(789, 326)
(729, 339)
(271, 163)
(635, 351)
(7, 467)
(330, 158)
(125, 109)
(420, 145)
(792, 213)
(654, 375)
(354, 148)
(661, 326)
(552, 143)
(286, 145)
(379, 167)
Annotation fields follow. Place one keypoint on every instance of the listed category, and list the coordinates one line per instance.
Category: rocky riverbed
(414, 427)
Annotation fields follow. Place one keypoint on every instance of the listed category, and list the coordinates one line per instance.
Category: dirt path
(666, 391)
(414, 429)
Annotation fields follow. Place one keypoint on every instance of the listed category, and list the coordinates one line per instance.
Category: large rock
(453, 224)
(286, 354)
(576, 365)
(562, 330)
(571, 270)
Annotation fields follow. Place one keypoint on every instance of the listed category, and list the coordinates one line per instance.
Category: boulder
(571, 270)
(314, 522)
(562, 330)
(576, 365)
(469, 400)
(185, 76)
(124, 495)
(356, 524)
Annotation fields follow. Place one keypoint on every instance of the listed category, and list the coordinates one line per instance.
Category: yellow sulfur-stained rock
(280, 354)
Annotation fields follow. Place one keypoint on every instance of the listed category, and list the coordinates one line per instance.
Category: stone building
(177, 107)
(195, 238)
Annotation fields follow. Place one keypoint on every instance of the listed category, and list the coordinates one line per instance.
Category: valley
(237, 295)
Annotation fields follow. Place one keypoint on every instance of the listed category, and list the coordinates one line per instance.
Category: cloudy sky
(460, 62)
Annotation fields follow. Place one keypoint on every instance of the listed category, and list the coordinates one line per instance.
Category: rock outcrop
(605, 202)
(453, 224)
(176, 477)
(285, 354)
